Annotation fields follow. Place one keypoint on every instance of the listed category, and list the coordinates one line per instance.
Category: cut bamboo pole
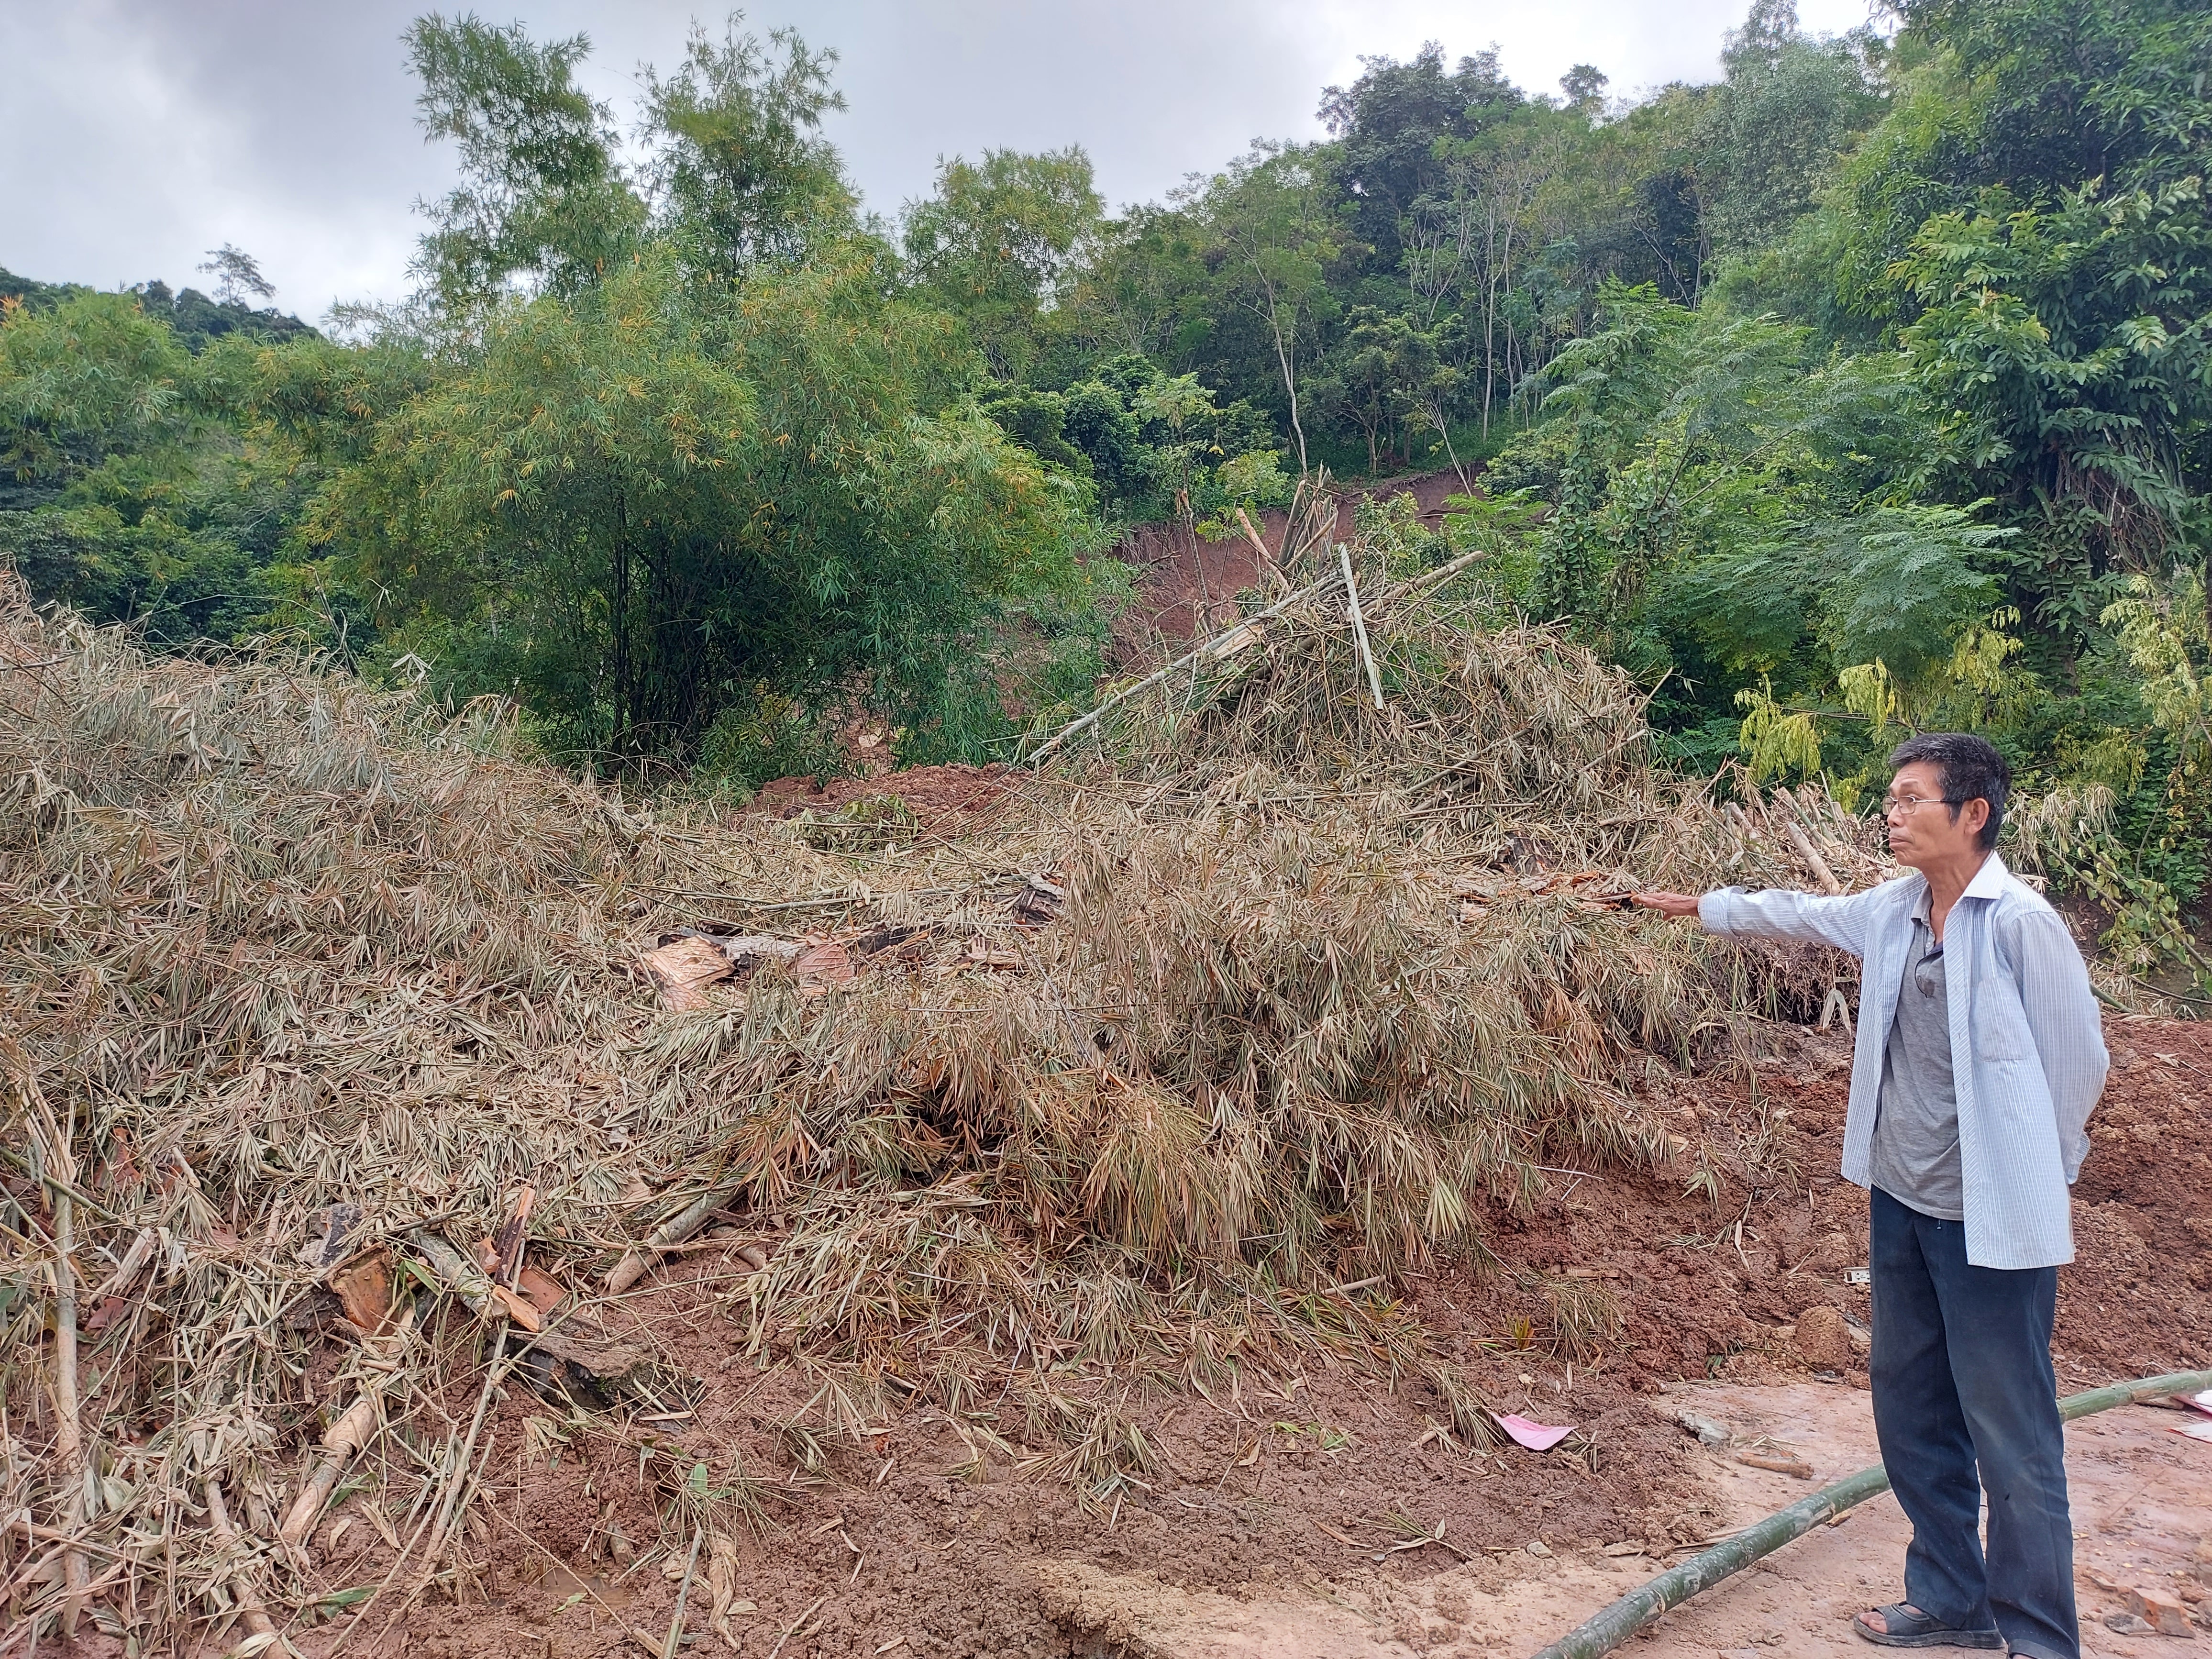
(348, 1434)
(250, 1604)
(1807, 851)
(1358, 623)
(1442, 573)
(674, 1231)
(1282, 583)
(59, 1166)
(1606, 1630)
(69, 1431)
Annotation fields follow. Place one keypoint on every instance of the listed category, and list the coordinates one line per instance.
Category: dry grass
(1305, 992)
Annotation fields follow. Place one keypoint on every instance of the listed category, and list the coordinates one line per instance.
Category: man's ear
(1973, 814)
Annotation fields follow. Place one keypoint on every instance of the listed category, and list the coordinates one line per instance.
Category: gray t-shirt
(1916, 1128)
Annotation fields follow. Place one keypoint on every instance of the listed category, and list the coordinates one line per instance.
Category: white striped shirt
(2027, 1046)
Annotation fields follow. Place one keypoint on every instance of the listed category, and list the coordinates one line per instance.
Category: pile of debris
(334, 1015)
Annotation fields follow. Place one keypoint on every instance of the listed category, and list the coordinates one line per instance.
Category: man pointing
(1979, 1057)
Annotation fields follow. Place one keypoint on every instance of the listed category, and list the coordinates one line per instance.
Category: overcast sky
(140, 133)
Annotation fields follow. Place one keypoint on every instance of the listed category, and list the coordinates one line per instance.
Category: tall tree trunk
(1489, 313)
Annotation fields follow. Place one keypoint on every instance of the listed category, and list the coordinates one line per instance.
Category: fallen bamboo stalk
(1358, 624)
(1312, 590)
(1266, 559)
(1442, 573)
(346, 1436)
(674, 1231)
(59, 1166)
(465, 1465)
(126, 1272)
(349, 1434)
(460, 1485)
(1811, 855)
(250, 1604)
(68, 1435)
(669, 1648)
(793, 1627)
(1731, 1552)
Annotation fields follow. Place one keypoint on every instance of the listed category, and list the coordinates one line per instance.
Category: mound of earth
(1283, 1520)
(1183, 578)
(474, 1211)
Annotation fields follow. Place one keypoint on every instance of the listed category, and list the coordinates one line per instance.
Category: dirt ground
(942, 799)
(2141, 1499)
(1318, 1513)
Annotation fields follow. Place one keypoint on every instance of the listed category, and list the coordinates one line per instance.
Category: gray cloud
(141, 133)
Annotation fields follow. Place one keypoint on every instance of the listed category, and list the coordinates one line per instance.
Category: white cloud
(141, 133)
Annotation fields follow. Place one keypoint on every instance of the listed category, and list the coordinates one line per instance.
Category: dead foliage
(1259, 999)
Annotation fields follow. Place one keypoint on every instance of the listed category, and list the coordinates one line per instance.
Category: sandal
(1911, 1629)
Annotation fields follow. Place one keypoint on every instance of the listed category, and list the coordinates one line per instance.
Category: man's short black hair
(1971, 769)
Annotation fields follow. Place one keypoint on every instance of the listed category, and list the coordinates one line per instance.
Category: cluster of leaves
(1937, 454)
(665, 450)
(124, 491)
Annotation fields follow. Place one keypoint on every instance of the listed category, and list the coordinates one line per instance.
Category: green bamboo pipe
(1614, 1625)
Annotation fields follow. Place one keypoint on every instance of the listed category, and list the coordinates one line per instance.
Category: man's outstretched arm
(1775, 913)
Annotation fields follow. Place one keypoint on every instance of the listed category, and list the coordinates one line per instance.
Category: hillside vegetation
(1862, 390)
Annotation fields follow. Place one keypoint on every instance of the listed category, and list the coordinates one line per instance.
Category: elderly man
(1980, 1055)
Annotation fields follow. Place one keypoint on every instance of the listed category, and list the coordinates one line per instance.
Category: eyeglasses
(1905, 806)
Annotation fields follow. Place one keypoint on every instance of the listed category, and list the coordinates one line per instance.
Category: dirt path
(2141, 1497)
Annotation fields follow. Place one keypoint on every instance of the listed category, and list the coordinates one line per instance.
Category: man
(1979, 1057)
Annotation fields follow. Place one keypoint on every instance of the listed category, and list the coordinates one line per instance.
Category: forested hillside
(1862, 390)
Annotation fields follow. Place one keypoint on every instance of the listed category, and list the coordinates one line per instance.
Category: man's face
(1928, 832)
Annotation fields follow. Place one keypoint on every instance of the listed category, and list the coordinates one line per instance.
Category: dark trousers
(1962, 1381)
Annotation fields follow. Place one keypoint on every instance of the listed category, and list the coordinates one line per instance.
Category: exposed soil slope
(1179, 575)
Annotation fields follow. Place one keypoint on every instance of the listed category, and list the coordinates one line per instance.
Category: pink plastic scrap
(2195, 1430)
(2201, 1400)
(1536, 1436)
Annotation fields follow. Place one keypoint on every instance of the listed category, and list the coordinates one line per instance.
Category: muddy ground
(1284, 1498)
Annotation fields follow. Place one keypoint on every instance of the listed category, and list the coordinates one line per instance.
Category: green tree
(1274, 230)
(741, 172)
(542, 201)
(995, 246)
(1780, 122)
(636, 510)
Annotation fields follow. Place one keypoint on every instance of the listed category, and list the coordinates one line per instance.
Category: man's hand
(1677, 905)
